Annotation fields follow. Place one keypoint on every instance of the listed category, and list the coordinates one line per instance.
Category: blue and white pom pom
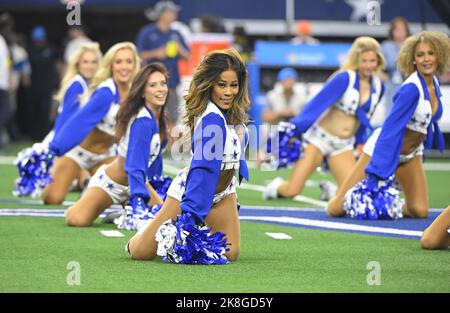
(382, 202)
(34, 165)
(184, 242)
(132, 220)
(161, 184)
(287, 149)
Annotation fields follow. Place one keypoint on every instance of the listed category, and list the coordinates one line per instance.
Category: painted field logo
(73, 278)
(374, 276)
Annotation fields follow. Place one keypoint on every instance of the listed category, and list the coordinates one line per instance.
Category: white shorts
(178, 185)
(328, 144)
(118, 193)
(370, 146)
(86, 159)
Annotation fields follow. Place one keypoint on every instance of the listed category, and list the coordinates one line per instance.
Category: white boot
(328, 190)
(270, 191)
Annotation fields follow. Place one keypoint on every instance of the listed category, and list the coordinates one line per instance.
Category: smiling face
(123, 66)
(156, 90)
(425, 59)
(88, 64)
(368, 64)
(225, 90)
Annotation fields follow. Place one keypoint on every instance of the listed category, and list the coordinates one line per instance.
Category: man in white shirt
(286, 99)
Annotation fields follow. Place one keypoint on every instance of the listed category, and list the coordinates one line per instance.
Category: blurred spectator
(5, 82)
(284, 101)
(7, 32)
(22, 78)
(76, 36)
(241, 43)
(304, 30)
(212, 24)
(44, 80)
(159, 42)
(184, 31)
(398, 32)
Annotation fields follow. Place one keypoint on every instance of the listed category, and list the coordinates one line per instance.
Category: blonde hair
(73, 66)
(439, 42)
(207, 76)
(105, 70)
(361, 45)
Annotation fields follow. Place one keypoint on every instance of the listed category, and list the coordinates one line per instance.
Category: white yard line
(332, 225)
(281, 236)
(276, 219)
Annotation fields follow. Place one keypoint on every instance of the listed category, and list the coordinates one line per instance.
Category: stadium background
(315, 261)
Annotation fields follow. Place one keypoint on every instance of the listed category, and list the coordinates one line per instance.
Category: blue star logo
(110, 186)
(80, 153)
(235, 154)
(183, 184)
(235, 142)
(101, 176)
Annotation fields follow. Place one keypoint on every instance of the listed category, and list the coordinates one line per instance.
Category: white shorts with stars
(178, 186)
(118, 193)
(328, 144)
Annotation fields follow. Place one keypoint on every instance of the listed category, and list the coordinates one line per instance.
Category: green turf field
(36, 251)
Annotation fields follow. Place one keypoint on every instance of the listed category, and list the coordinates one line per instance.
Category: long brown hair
(206, 76)
(133, 103)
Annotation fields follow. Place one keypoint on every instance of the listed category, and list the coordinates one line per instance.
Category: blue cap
(286, 73)
(38, 33)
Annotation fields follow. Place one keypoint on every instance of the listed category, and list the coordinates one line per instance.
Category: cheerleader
(206, 190)
(86, 140)
(412, 125)
(335, 119)
(81, 68)
(437, 235)
(140, 130)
